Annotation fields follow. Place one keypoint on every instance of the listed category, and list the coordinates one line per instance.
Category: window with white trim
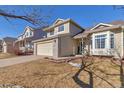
(111, 40)
(51, 32)
(31, 33)
(61, 28)
(100, 41)
(27, 34)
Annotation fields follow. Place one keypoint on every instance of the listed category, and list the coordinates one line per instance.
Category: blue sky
(85, 16)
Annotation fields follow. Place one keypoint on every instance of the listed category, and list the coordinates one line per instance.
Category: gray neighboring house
(24, 41)
(0, 45)
(8, 45)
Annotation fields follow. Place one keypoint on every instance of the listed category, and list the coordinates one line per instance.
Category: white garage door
(45, 49)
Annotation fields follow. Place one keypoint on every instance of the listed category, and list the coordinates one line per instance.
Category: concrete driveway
(17, 60)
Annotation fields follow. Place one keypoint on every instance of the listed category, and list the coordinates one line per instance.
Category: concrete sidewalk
(17, 60)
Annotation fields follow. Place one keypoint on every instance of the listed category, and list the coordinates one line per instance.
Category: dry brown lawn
(6, 55)
(43, 73)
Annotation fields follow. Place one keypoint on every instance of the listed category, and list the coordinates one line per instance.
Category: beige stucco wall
(118, 43)
(66, 46)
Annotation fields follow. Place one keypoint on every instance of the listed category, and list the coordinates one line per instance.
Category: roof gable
(26, 28)
(100, 25)
(58, 21)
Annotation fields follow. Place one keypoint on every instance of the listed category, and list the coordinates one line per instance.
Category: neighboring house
(8, 45)
(59, 41)
(103, 39)
(24, 41)
(0, 45)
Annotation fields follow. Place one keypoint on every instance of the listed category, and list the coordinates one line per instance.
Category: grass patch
(42, 73)
(6, 55)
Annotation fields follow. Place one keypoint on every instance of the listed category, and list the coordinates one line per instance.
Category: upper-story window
(100, 41)
(51, 32)
(111, 40)
(27, 34)
(31, 33)
(61, 28)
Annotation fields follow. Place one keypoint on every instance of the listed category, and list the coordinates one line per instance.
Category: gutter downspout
(122, 43)
(82, 45)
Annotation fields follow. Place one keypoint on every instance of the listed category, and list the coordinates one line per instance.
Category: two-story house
(24, 41)
(59, 41)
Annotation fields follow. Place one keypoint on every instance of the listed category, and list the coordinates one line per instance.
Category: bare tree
(120, 64)
(91, 67)
(34, 16)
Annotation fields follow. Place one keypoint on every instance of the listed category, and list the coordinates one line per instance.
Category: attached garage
(45, 49)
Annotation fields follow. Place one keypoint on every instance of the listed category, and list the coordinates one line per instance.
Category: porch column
(93, 44)
(74, 48)
(107, 45)
(18, 44)
(122, 43)
(25, 43)
(35, 49)
(56, 49)
(82, 46)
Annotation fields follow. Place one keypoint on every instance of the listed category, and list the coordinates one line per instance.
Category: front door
(80, 47)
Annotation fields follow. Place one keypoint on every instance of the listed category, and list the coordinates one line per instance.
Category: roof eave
(68, 20)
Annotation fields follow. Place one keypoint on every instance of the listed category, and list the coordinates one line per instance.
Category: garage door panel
(45, 49)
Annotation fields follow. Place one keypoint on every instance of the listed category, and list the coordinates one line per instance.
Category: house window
(100, 41)
(61, 28)
(51, 32)
(26, 34)
(91, 43)
(112, 41)
(31, 33)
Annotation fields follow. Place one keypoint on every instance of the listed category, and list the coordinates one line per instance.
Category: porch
(24, 45)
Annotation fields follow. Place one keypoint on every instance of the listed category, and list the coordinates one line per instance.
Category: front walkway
(17, 60)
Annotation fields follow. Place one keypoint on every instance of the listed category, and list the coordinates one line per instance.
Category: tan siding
(74, 29)
(118, 42)
(66, 46)
(66, 30)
